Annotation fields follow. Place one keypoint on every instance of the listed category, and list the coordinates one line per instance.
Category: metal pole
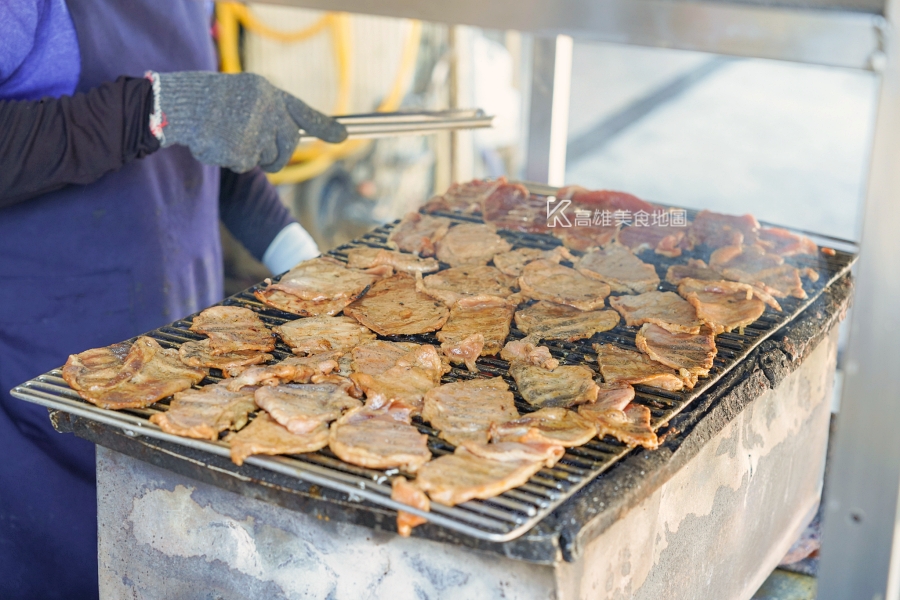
(548, 119)
(859, 545)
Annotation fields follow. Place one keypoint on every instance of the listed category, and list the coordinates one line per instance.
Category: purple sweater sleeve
(250, 208)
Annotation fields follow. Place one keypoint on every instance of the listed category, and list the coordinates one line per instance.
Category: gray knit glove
(234, 121)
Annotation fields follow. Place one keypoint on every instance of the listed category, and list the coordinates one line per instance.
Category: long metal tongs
(378, 125)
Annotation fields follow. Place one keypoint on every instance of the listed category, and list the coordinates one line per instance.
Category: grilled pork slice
(548, 321)
(616, 266)
(630, 425)
(511, 206)
(511, 263)
(394, 307)
(619, 365)
(458, 282)
(320, 286)
(265, 436)
(745, 258)
(303, 408)
(717, 230)
(546, 280)
(784, 243)
(559, 426)
(291, 370)
(233, 329)
(523, 351)
(563, 386)
(463, 411)
(691, 355)
(205, 413)
(407, 493)
(666, 309)
(754, 266)
(465, 351)
(315, 335)
(488, 315)
(461, 476)
(464, 198)
(417, 233)
(611, 395)
(364, 257)
(694, 269)
(123, 376)
(723, 305)
(404, 385)
(376, 357)
(379, 439)
(470, 244)
(660, 239)
(586, 238)
(546, 454)
(197, 354)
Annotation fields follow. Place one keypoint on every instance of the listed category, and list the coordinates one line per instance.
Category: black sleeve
(50, 143)
(250, 208)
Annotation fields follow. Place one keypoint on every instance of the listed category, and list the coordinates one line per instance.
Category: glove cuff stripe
(157, 116)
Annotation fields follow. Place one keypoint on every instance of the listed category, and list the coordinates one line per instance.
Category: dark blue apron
(88, 266)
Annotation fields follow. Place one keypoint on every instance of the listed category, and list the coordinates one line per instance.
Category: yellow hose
(313, 159)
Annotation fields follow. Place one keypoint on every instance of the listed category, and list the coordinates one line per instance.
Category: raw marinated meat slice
(524, 351)
(716, 230)
(290, 370)
(723, 305)
(609, 200)
(464, 198)
(559, 426)
(785, 243)
(546, 280)
(488, 315)
(666, 309)
(617, 267)
(197, 354)
(463, 411)
(265, 436)
(511, 263)
(547, 454)
(585, 238)
(376, 357)
(563, 386)
(407, 493)
(123, 376)
(630, 426)
(511, 206)
(548, 321)
(465, 351)
(417, 233)
(618, 365)
(393, 306)
(303, 408)
(611, 395)
(694, 269)
(452, 284)
(233, 329)
(205, 413)
(320, 286)
(691, 355)
(315, 335)
(364, 257)
(661, 239)
(378, 439)
(404, 385)
(455, 478)
(470, 244)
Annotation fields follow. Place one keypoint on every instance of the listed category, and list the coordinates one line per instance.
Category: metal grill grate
(511, 514)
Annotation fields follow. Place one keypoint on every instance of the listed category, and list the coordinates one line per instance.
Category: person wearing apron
(109, 227)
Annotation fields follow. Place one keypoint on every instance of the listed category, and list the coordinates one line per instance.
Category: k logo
(556, 212)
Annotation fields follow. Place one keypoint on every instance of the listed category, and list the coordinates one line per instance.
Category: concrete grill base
(713, 528)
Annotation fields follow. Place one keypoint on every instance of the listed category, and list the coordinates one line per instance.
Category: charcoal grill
(517, 511)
